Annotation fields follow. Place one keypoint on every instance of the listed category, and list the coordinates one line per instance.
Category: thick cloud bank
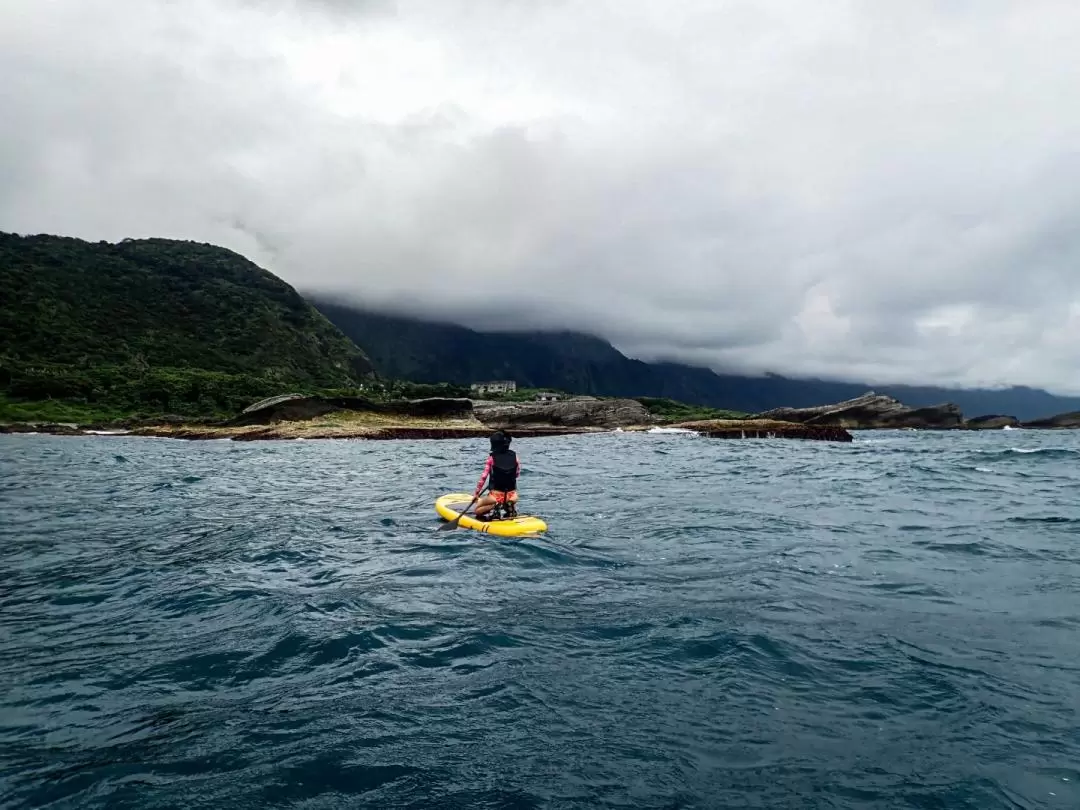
(877, 191)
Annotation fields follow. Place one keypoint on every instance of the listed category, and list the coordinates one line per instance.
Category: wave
(1064, 520)
(1016, 453)
(278, 613)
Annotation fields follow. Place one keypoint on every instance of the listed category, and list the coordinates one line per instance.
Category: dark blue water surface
(893, 623)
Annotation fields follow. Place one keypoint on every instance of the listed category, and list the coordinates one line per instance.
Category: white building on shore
(494, 387)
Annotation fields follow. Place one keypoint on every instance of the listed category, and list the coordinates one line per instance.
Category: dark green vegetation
(155, 326)
(162, 303)
(433, 352)
(669, 410)
(108, 392)
(60, 411)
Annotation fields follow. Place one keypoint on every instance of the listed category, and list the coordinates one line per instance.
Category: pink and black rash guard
(503, 467)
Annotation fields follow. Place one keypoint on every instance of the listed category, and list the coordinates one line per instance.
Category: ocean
(892, 623)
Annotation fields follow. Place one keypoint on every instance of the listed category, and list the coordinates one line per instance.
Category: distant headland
(158, 337)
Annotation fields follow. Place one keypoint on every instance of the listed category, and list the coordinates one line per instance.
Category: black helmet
(500, 440)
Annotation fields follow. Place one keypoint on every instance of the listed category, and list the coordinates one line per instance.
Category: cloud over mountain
(885, 192)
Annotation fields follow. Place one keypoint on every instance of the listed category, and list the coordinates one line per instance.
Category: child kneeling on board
(501, 473)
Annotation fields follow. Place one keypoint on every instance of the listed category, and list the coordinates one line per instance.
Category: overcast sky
(856, 189)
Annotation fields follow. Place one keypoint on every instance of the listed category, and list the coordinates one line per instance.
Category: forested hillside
(157, 325)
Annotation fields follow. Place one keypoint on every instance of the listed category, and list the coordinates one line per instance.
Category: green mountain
(154, 326)
(157, 325)
(438, 352)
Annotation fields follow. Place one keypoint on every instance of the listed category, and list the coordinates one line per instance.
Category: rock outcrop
(991, 422)
(271, 432)
(470, 433)
(868, 412)
(765, 429)
(581, 413)
(298, 408)
(609, 413)
(1061, 421)
(53, 428)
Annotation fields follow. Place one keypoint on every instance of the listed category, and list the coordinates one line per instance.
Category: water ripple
(888, 624)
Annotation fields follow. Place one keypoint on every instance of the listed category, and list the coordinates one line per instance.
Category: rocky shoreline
(293, 430)
(293, 416)
(758, 429)
(873, 411)
(765, 429)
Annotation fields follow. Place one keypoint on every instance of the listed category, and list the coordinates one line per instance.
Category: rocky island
(871, 411)
(991, 422)
(1059, 422)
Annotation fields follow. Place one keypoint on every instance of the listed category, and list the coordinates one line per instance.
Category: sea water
(892, 623)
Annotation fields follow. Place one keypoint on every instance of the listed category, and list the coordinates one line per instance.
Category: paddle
(453, 524)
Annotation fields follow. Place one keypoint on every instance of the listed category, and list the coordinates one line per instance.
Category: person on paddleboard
(501, 474)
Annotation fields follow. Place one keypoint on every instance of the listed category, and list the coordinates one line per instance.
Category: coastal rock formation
(870, 411)
(1061, 421)
(53, 428)
(272, 402)
(297, 408)
(291, 431)
(610, 413)
(991, 422)
(765, 429)
(470, 433)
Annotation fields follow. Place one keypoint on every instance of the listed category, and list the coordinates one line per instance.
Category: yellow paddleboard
(450, 506)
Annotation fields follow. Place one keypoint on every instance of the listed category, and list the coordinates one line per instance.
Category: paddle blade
(453, 524)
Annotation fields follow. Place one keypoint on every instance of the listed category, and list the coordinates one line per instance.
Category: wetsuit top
(504, 468)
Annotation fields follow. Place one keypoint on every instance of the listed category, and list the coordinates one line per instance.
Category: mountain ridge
(157, 325)
(162, 302)
(160, 325)
(430, 351)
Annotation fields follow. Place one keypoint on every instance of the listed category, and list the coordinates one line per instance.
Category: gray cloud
(885, 192)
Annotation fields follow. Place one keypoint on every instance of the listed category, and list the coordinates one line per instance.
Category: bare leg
(484, 505)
